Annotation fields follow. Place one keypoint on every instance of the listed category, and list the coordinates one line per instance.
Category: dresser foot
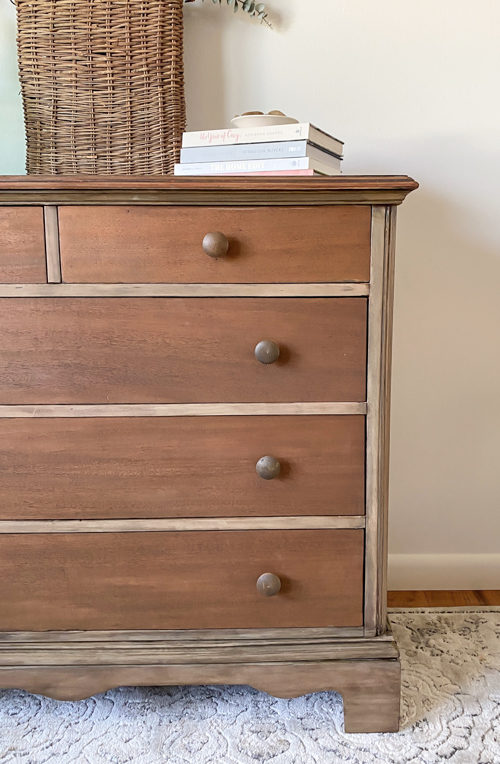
(372, 697)
(370, 689)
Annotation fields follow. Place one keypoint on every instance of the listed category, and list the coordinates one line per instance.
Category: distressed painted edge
(376, 308)
(52, 254)
(136, 525)
(176, 290)
(159, 652)
(180, 409)
(385, 413)
(190, 635)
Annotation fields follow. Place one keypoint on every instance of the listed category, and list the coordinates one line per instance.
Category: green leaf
(235, 5)
(246, 5)
(230, 2)
(260, 7)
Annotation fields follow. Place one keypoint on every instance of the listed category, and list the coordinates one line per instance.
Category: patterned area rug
(451, 712)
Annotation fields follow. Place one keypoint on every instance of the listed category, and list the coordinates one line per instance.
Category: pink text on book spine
(220, 137)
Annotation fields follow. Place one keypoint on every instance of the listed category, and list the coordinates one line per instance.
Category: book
(280, 173)
(241, 151)
(302, 131)
(252, 165)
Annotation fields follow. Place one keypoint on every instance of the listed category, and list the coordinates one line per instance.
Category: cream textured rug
(451, 713)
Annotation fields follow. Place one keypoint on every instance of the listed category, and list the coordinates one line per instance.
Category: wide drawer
(176, 350)
(164, 244)
(22, 245)
(180, 467)
(186, 580)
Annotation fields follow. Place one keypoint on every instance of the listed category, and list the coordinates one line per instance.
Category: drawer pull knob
(268, 584)
(268, 467)
(215, 244)
(267, 352)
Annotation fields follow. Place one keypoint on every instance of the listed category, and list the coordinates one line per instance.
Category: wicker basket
(102, 84)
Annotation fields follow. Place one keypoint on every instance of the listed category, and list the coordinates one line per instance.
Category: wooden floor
(443, 599)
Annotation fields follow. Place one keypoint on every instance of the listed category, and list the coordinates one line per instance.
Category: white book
(240, 152)
(302, 131)
(254, 165)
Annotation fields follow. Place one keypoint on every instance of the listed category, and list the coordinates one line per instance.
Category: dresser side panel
(378, 392)
(385, 395)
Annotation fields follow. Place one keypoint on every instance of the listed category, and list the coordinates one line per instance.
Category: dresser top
(120, 189)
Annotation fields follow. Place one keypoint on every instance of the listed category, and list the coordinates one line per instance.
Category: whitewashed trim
(181, 290)
(182, 524)
(373, 420)
(180, 409)
(52, 254)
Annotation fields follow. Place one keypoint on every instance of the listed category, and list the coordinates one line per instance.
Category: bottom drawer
(180, 580)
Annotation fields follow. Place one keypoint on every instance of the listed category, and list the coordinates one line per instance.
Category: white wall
(412, 87)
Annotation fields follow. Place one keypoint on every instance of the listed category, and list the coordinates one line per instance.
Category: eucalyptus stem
(256, 10)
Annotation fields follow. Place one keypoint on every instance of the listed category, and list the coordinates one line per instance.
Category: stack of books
(296, 149)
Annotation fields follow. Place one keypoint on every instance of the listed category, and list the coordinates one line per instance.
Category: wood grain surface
(440, 598)
(22, 246)
(370, 688)
(180, 409)
(180, 580)
(180, 467)
(378, 420)
(181, 350)
(53, 258)
(80, 189)
(135, 524)
(234, 183)
(185, 290)
(183, 636)
(225, 650)
(164, 244)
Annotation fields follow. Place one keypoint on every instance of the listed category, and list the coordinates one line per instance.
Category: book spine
(222, 168)
(295, 132)
(245, 151)
(277, 173)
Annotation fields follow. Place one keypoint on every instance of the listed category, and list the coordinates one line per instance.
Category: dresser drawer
(164, 244)
(22, 246)
(181, 350)
(186, 580)
(181, 467)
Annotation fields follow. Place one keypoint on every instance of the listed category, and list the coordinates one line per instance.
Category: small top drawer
(154, 244)
(22, 246)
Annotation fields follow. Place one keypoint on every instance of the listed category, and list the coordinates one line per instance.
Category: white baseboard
(443, 571)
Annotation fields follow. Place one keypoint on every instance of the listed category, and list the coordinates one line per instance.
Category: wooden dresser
(194, 388)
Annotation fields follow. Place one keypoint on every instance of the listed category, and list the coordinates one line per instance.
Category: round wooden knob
(215, 244)
(267, 352)
(268, 467)
(268, 584)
